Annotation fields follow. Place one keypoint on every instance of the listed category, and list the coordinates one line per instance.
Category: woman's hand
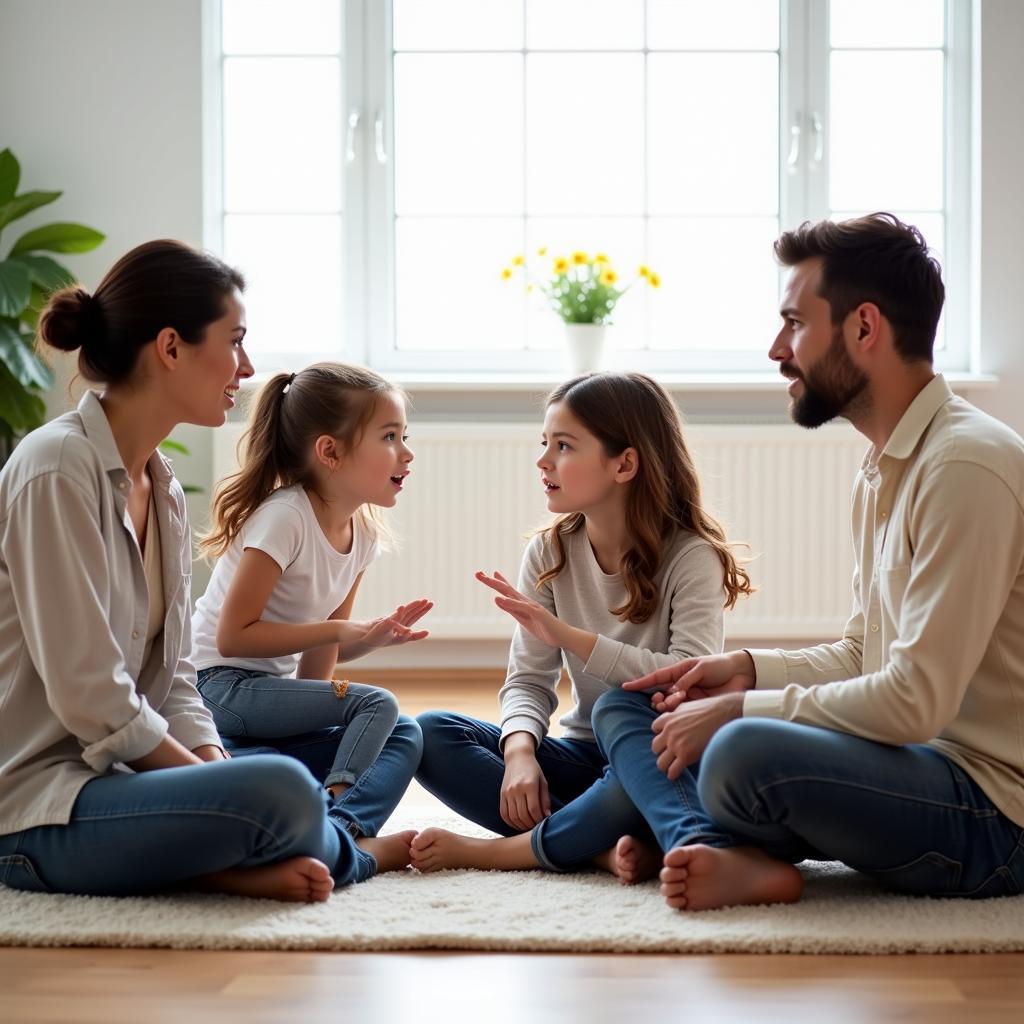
(530, 614)
(525, 800)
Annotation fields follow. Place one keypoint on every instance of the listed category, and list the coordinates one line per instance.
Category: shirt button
(874, 627)
(123, 485)
(135, 633)
(884, 515)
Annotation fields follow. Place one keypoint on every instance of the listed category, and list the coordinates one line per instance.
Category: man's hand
(681, 736)
(525, 800)
(530, 614)
(697, 678)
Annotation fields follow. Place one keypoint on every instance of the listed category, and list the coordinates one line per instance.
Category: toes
(673, 874)
(678, 857)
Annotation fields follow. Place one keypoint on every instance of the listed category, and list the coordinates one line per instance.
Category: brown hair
(876, 259)
(156, 285)
(630, 410)
(290, 412)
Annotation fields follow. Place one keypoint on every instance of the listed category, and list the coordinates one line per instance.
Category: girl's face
(216, 367)
(576, 473)
(375, 470)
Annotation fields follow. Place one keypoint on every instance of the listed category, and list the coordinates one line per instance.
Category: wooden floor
(132, 986)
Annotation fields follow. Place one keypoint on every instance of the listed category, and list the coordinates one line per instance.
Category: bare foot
(436, 849)
(631, 861)
(705, 877)
(390, 852)
(297, 880)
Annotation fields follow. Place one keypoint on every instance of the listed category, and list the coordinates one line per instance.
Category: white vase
(584, 342)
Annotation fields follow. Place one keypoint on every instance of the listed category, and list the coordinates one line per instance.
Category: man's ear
(869, 324)
(628, 463)
(327, 451)
(168, 348)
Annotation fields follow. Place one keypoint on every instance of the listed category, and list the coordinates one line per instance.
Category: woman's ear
(627, 465)
(168, 348)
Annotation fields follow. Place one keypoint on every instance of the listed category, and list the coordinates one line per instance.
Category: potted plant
(584, 292)
(27, 277)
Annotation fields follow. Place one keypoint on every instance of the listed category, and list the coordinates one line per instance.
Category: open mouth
(399, 479)
(230, 391)
(549, 487)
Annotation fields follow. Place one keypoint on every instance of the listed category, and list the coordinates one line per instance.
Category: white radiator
(475, 492)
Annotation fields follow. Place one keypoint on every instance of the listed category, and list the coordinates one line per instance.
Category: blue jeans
(147, 832)
(463, 767)
(905, 815)
(359, 739)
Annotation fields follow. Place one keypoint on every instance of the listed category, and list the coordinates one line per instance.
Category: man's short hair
(876, 259)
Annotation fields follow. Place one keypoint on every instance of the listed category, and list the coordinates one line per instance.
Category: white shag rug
(841, 912)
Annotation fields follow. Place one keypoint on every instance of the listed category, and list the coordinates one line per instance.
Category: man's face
(811, 352)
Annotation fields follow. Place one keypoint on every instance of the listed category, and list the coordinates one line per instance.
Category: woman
(97, 695)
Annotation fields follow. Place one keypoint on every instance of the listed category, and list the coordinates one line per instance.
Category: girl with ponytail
(294, 529)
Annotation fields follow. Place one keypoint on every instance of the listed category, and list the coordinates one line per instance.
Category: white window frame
(368, 213)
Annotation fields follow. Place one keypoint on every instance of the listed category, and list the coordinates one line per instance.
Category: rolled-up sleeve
(55, 555)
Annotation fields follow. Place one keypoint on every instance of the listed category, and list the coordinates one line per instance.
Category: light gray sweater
(687, 623)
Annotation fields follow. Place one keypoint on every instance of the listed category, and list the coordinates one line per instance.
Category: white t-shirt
(315, 576)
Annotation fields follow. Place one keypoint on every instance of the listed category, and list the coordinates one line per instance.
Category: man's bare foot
(390, 852)
(436, 849)
(631, 860)
(705, 877)
(297, 880)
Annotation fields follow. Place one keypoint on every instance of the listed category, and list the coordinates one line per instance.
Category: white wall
(102, 98)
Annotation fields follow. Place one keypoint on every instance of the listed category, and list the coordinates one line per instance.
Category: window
(380, 162)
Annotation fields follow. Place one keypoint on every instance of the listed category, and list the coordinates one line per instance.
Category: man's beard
(830, 386)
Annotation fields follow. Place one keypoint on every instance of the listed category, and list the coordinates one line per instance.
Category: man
(898, 750)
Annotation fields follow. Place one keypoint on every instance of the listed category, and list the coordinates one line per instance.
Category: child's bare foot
(297, 880)
(390, 852)
(436, 849)
(631, 860)
(705, 877)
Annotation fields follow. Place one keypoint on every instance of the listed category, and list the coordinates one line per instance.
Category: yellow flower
(653, 279)
(609, 277)
(644, 270)
(542, 251)
(600, 258)
(529, 289)
(517, 261)
(579, 257)
(506, 273)
(561, 265)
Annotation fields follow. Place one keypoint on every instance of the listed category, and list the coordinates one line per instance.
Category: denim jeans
(463, 766)
(359, 739)
(147, 832)
(905, 815)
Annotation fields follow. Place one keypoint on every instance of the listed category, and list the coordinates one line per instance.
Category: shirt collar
(914, 422)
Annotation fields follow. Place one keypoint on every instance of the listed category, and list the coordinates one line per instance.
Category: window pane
(282, 134)
(271, 26)
(620, 239)
(714, 130)
(720, 283)
(458, 25)
(459, 133)
(585, 24)
(292, 267)
(722, 25)
(450, 294)
(584, 157)
(887, 130)
(868, 23)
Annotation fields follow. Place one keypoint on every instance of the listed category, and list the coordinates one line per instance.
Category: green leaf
(58, 238)
(30, 314)
(45, 272)
(10, 173)
(15, 288)
(20, 361)
(170, 445)
(21, 409)
(25, 203)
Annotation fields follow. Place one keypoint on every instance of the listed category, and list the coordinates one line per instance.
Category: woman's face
(215, 368)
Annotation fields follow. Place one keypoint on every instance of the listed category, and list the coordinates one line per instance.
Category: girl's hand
(389, 630)
(531, 615)
(525, 800)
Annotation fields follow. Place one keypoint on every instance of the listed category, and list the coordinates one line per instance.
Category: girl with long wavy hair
(632, 574)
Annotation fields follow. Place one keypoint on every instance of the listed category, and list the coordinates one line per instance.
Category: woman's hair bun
(72, 318)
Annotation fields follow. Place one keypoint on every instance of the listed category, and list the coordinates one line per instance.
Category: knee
(436, 728)
(733, 763)
(409, 731)
(385, 705)
(616, 706)
(286, 788)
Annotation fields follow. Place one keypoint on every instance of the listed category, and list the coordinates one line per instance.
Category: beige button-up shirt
(934, 650)
(75, 696)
